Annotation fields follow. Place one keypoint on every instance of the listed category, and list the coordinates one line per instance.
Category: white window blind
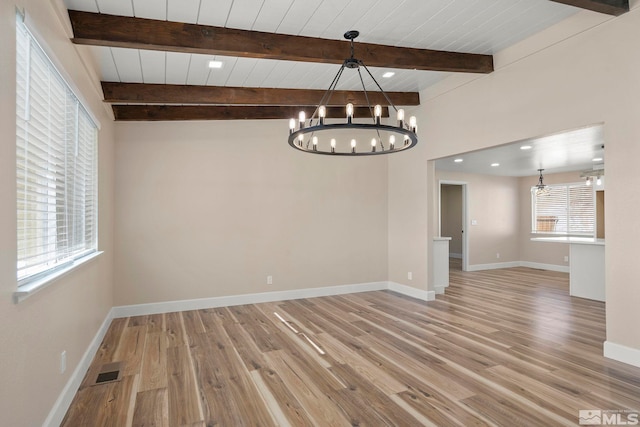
(565, 209)
(56, 166)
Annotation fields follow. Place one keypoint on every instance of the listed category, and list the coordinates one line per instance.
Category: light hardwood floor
(502, 347)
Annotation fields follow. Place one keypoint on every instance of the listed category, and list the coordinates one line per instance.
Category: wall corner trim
(412, 292)
(622, 353)
(60, 407)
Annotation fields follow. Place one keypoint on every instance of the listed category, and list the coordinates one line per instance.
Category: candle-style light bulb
(333, 145)
(377, 112)
(292, 125)
(588, 182)
(373, 145)
(300, 138)
(406, 140)
(315, 143)
(392, 142)
(353, 145)
(301, 119)
(413, 123)
(349, 112)
(400, 116)
(322, 113)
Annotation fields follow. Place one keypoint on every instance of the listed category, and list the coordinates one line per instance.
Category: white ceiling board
(183, 11)
(199, 69)
(150, 9)
(177, 68)
(106, 66)
(219, 76)
(153, 66)
(316, 26)
(297, 16)
(563, 152)
(241, 71)
(128, 64)
(259, 73)
(214, 12)
(115, 7)
(271, 14)
(244, 13)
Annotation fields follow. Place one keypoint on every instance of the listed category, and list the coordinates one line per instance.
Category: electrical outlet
(498, 255)
(410, 275)
(63, 362)
(269, 280)
(566, 258)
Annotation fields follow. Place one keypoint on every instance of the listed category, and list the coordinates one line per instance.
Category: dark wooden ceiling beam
(610, 7)
(211, 112)
(128, 32)
(222, 95)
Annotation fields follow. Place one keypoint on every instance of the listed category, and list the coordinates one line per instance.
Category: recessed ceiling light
(388, 74)
(495, 165)
(215, 64)
(458, 160)
(597, 159)
(525, 147)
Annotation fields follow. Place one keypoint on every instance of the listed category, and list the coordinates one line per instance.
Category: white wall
(66, 315)
(208, 209)
(582, 79)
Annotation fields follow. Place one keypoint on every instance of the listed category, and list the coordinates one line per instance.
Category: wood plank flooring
(501, 347)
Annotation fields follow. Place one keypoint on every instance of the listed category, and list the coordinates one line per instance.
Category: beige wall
(67, 314)
(451, 223)
(581, 79)
(207, 209)
(491, 203)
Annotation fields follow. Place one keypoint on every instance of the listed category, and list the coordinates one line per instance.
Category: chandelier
(318, 135)
(541, 189)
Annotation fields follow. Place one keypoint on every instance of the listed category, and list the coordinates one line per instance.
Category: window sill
(28, 289)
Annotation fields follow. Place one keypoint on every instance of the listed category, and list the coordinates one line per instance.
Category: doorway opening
(452, 215)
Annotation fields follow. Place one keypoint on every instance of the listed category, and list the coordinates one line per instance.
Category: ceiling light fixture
(525, 147)
(597, 159)
(458, 160)
(305, 135)
(215, 64)
(495, 165)
(388, 75)
(541, 189)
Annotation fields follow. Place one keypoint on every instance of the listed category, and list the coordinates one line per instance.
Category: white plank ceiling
(472, 26)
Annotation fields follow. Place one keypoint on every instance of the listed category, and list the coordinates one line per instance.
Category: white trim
(512, 264)
(622, 353)
(60, 408)
(231, 300)
(550, 267)
(479, 267)
(412, 292)
(455, 255)
(440, 290)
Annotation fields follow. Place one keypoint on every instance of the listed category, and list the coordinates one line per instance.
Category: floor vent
(109, 372)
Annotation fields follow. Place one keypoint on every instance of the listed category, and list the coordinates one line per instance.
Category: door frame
(465, 221)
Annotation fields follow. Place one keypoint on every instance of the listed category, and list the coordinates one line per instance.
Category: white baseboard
(57, 413)
(540, 266)
(511, 264)
(622, 353)
(228, 301)
(479, 267)
(412, 292)
(440, 290)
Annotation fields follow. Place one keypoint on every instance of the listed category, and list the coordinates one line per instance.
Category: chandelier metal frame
(306, 140)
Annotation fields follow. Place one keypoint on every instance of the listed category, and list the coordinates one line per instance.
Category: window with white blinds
(56, 166)
(565, 209)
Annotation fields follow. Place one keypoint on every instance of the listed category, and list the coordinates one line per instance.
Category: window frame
(71, 197)
(569, 231)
